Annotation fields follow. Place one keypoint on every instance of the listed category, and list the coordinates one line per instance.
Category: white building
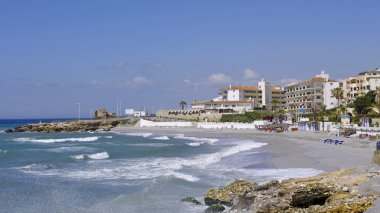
(305, 97)
(329, 101)
(238, 98)
(266, 89)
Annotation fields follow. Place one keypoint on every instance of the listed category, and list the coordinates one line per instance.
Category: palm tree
(338, 94)
(182, 104)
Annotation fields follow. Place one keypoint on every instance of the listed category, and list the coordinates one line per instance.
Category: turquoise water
(110, 172)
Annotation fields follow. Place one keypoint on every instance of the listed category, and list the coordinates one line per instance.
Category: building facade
(238, 98)
(360, 84)
(307, 96)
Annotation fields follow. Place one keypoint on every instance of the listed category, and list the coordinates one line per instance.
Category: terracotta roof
(239, 87)
(314, 79)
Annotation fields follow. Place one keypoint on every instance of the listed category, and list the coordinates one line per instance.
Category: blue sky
(152, 53)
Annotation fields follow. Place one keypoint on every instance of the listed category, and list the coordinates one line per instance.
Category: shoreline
(289, 149)
(294, 150)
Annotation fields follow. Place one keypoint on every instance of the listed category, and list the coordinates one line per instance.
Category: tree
(338, 94)
(275, 103)
(182, 104)
(363, 103)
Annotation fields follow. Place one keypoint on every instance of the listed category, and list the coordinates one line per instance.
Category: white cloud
(250, 74)
(220, 78)
(137, 81)
(96, 83)
(287, 81)
(141, 81)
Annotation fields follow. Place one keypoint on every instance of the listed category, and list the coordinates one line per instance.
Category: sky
(153, 54)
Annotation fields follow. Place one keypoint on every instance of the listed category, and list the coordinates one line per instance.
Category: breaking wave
(97, 156)
(146, 168)
(197, 141)
(85, 139)
(70, 149)
(141, 134)
(164, 138)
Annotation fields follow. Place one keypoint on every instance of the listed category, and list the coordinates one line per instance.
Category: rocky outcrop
(104, 114)
(75, 126)
(215, 208)
(191, 200)
(330, 192)
(226, 195)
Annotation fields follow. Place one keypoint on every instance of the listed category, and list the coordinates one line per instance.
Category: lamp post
(78, 110)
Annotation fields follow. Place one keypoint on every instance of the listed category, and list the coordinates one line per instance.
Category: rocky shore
(75, 126)
(343, 191)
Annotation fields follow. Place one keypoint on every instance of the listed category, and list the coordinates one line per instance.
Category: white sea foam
(150, 144)
(108, 137)
(3, 151)
(70, 149)
(37, 168)
(205, 160)
(195, 143)
(97, 156)
(150, 168)
(164, 138)
(141, 134)
(60, 140)
(183, 176)
(196, 139)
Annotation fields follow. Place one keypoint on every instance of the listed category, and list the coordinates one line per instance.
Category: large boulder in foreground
(330, 192)
(225, 195)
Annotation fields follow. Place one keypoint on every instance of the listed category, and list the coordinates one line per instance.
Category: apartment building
(306, 96)
(360, 84)
(239, 98)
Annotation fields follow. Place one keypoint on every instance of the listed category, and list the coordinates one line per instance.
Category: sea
(123, 172)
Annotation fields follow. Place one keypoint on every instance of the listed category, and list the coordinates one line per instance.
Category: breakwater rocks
(75, 126)
(329, 192)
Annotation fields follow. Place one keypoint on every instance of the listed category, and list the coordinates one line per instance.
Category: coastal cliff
(75, 126)
(330, 192)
